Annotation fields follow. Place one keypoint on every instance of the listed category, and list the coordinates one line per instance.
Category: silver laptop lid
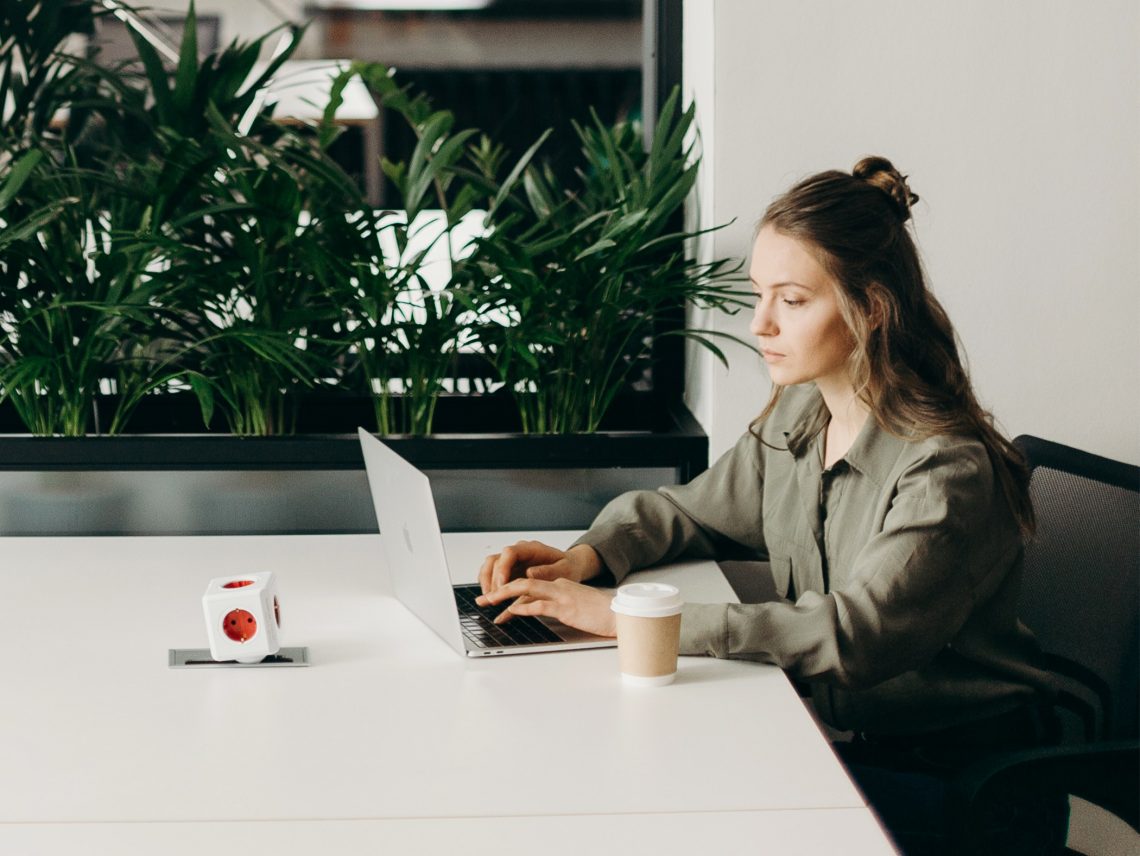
(411, 539)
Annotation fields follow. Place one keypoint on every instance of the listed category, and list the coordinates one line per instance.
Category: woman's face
(802, 335)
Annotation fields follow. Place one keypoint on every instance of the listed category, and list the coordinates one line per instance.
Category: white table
(389, 739)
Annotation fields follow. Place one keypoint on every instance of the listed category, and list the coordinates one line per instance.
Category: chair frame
(1055, 456)
(1030, 784)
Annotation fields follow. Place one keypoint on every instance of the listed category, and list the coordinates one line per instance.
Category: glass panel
(310, 501)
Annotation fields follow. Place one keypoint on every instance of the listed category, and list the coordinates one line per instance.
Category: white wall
(699, 39)
(1019, 125)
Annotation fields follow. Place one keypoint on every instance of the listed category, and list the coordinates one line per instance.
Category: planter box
(164, 482)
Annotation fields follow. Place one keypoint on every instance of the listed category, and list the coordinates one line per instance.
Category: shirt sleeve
(947, 542)
(717, 512)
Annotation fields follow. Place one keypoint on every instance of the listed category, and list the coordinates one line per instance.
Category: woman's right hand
(538, 561)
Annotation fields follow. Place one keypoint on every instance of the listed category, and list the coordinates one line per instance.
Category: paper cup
(648, 632)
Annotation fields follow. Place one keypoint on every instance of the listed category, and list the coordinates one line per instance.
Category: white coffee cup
(648, 632)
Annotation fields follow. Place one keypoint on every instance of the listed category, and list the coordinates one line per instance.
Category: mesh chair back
(1081, 594)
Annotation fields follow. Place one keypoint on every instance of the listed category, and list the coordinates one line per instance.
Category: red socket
(239, 625)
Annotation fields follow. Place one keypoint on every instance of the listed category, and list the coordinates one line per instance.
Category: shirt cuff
(704, 630)
(605, 540)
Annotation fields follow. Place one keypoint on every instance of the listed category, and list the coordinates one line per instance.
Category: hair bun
(881, 173)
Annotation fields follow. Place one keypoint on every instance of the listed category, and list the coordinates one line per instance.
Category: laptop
(413, 545)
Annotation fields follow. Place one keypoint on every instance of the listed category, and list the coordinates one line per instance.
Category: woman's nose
(762, 322)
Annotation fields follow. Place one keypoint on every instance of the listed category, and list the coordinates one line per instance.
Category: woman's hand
(570, 602)
(544, 580)
(538, 561)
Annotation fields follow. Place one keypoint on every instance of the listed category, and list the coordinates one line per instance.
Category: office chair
(1081, 597)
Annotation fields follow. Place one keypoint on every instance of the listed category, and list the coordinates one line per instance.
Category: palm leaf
(186, 75)
(508, 184)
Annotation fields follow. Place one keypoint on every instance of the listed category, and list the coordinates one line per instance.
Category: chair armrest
(1091, 680)
(1024, 792)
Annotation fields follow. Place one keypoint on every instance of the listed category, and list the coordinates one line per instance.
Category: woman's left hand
(571, 603)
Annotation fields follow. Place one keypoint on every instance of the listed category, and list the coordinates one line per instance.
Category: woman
(891, 510)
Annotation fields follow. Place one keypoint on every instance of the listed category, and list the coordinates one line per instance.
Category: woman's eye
(791, 301)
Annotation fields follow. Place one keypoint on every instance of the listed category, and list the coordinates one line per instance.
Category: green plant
(171, 233)
(582, 274)
(87, 302)
(403, 333)
(76, 309)
(243, 260)
(252, 296)
(34, 79)
(407, 329)
(18, 172)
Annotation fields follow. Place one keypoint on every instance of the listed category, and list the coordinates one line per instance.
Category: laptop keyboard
(479, 623)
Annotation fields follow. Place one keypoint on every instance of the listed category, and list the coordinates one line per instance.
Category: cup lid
(647, 600)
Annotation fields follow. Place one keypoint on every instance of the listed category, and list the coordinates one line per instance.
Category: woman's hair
(905, 362)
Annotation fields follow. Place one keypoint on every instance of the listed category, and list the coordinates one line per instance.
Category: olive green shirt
(898, 569)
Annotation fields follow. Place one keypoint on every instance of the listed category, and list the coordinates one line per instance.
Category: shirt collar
(873, 453)
(806, 422)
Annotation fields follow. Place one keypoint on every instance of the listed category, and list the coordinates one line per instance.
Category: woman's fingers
(523, 586)
(538, 561)
(485, 571)
(516, 607)
(520, 559)
(498, 568)
(531, 600)
(522, 589)
(504, 566)
(547, 572)
(569, 602)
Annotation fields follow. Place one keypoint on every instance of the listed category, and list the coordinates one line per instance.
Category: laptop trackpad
(570, 634)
